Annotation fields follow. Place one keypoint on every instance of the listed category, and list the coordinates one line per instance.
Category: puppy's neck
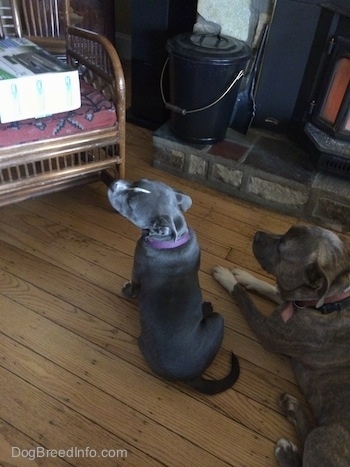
(160, 244)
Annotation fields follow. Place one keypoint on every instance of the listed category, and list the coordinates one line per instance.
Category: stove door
(331, 112)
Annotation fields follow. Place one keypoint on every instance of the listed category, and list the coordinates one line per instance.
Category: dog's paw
(244, 278)
(128, 290)
(287, 453)
(207, 309)
(225, 277)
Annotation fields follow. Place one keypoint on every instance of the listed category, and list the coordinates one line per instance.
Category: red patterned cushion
(95, 112)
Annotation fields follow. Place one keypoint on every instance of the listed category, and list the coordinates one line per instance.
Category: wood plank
(13, 442)
(128, 384)
(121, 343)
(51, 424)
(69, 289)
(68, 344)
(117, 419)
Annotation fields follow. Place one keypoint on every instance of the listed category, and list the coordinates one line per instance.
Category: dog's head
(152, 206)
(309, 263)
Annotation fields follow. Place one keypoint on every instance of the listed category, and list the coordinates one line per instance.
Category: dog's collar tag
(169, 244)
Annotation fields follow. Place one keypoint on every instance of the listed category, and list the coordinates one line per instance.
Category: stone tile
(171, 159)
(333, 212)
(281, 158)
(276, 192)
(197, 165)
(337, 186)
(228, 150)
(230, 176)
(247, 140)
(263, 168)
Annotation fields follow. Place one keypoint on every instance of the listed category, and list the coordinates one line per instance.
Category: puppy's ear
(184, 201)
(317, 279)
(163, 226)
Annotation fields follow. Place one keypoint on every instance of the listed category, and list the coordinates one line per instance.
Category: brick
(197, 166)
(333, 211)
(222, 173)
(172, 159)
(276, 192)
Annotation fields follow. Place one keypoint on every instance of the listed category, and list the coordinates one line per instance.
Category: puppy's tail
(210, 387)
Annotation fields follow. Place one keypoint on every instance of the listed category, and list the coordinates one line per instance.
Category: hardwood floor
(72, 377)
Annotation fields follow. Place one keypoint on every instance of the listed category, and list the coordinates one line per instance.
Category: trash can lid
(204, 47)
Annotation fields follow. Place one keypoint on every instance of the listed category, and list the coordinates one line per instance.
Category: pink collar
(168, 244)
(335, 303)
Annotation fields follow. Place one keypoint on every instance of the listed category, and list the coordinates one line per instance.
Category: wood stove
(322, 113)
(332, 111)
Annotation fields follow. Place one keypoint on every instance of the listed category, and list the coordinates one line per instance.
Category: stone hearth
(263, 168)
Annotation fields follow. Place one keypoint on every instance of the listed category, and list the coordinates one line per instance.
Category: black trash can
(204, 80)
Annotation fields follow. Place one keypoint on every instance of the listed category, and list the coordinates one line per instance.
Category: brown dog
(311, 325)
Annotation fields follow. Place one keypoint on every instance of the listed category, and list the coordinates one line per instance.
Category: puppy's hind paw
(207, 309)
(225, 277)
(128, 290)
(287, 453)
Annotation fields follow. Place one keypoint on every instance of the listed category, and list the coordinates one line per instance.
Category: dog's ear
(184, 201)
(317, 279)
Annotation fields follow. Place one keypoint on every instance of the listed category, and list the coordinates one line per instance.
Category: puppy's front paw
(244, 278)
(225, 277)
(128, 290)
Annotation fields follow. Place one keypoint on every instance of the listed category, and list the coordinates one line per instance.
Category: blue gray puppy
(180, 335)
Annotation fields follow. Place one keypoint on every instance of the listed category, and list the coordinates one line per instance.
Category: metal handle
(179, 110)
